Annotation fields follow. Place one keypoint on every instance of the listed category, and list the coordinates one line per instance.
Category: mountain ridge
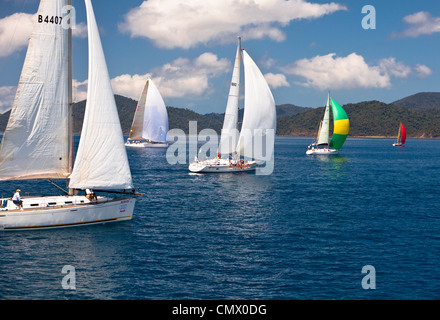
(420, 114)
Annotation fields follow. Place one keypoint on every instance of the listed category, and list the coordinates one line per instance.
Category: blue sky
(303, 47)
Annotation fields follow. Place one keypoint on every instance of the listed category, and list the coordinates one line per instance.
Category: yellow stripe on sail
(341, 126)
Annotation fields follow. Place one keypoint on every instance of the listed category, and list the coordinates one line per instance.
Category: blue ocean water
(304, 232)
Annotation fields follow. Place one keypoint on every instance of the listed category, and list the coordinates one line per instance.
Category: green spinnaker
(341, 125)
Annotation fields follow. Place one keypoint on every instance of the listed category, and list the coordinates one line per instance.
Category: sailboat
(401, 136)
(38, 140)
(150, 122)
(238, 150)
(341, 127)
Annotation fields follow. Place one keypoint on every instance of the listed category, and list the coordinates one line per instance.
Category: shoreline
(362, 137)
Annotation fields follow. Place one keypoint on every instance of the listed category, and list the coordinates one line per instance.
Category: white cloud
(422, 71)
(184, 77)
(80, 30)
(186, 23)
(331, 72)
(351, 72)
(391, 67)
(7, 95)
(14, 32)
(179, 78)
(420, 23)
(276, 80)
(79, 90)
(129, 86)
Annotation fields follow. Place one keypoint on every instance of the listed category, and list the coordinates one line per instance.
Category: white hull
(221, 166)
(323, 151)
(398, 145)
(63, 211)
(147, 145)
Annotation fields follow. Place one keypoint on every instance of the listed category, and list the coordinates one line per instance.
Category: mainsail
(138, 119)
(101, 160)
(37, 142)
(323, 134)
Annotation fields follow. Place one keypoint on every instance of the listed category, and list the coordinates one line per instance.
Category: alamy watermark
(369, 281)
(69, 280)
(369, 21)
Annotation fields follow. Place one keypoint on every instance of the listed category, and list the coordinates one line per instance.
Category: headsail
(101, 160)
(341, 125)
(229, 134)
(155, 122)
(259, 119)
(37, 140)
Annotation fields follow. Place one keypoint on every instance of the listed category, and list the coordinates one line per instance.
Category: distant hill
(423, 101)
(282, 110)
(420, 113)
(370, 118)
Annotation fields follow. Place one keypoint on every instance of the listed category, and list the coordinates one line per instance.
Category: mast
(70, 99)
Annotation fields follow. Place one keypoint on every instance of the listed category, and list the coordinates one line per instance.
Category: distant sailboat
(150, 122)
(401, 136)
(258, 119)
(340, 131)
(38, 143)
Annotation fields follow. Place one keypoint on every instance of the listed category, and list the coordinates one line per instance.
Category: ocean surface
(304, 232)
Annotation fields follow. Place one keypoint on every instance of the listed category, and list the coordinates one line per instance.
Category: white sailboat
(150, 122)
(259, 118)
(37, 143)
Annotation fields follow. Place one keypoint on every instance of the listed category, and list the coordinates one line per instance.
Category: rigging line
(58, 186)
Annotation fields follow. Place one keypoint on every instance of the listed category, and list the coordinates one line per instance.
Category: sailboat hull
(147, 145)
(63, 211)
(324, 151)
(398, 145)
(221, 166)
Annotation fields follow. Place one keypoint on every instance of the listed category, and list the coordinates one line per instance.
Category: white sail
(138, 119)
(323, 135)
(229, 134)
(259, 120)
(155, 122)
(37, 140)
(101, 160)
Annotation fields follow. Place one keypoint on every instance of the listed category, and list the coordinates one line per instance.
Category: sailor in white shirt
(16, 199)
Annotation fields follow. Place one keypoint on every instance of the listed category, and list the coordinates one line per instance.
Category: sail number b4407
(48, 19)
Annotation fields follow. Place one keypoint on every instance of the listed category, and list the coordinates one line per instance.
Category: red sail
(403, 136)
